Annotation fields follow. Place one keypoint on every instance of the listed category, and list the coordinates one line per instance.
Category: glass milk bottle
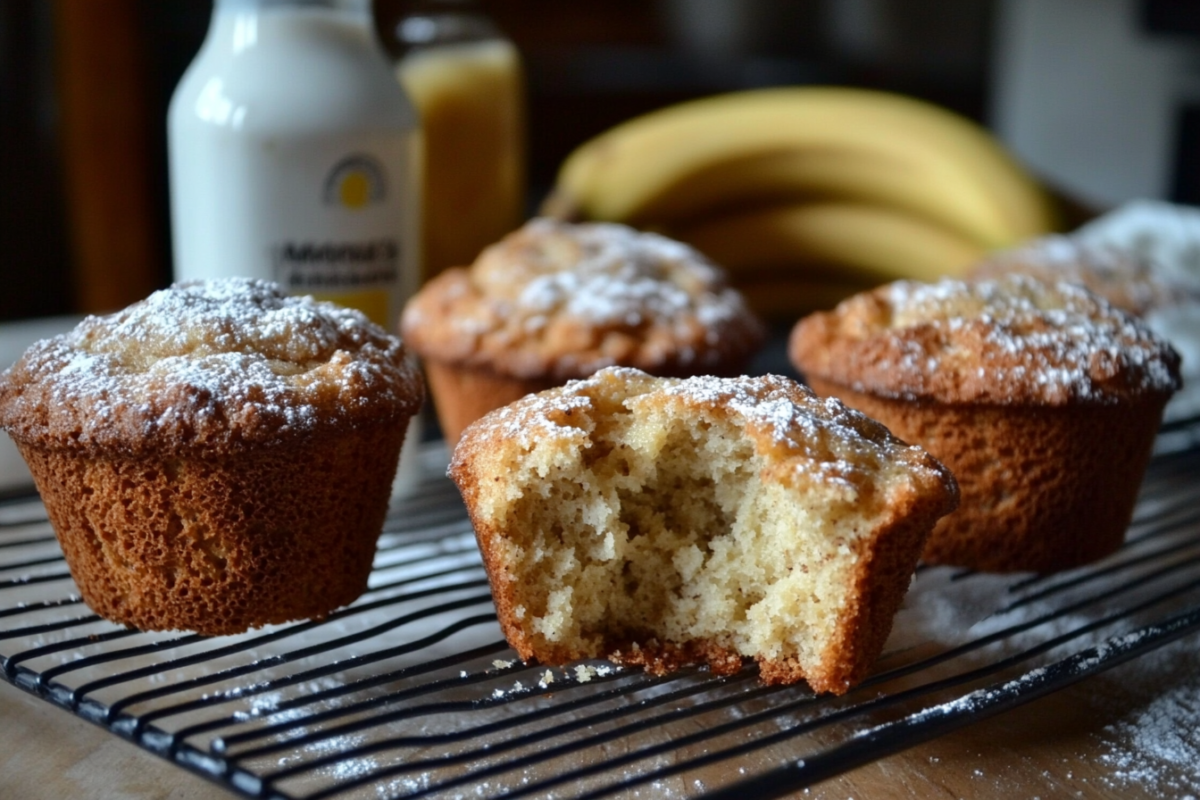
(295, 156)
(466, 81)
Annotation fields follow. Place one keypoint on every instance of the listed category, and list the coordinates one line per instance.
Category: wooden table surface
(1087, 741)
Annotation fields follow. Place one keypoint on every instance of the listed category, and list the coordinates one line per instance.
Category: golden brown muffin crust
(1013, 340)
(1043, 489)
(213, 367)
(557, 300)
(220, 544)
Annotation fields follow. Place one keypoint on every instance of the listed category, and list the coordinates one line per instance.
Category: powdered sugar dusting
(1062, 340)
(611, 274)
(568, 299)
(1121, 276)
(1155, 743)
(223, 360)
(537, 416)
(831, 443)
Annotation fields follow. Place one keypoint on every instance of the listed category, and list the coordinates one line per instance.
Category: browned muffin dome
(1041, 398)
(208, 366)
(665, 521)
(556, 300)
(216, 456)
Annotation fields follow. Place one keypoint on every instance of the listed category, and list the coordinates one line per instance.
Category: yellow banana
(953, 169)
(846, 243)
(813, 174)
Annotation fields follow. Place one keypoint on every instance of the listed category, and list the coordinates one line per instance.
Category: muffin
(668, 521)
(1042, 399)
(1124, 280)
(217, 456)
(555, 301)
(1144, 259)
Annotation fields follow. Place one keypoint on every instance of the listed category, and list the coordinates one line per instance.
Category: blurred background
(1101, 98)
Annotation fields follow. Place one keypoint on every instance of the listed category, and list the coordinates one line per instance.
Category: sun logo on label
(355, 182)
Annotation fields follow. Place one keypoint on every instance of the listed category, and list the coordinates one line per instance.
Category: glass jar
(466, 80)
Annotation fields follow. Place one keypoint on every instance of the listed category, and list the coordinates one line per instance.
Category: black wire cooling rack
(412, 692)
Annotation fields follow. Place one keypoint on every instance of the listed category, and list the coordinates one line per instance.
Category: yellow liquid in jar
(471, 103)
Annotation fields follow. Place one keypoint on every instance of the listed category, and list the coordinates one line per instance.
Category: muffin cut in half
(665, 521)
(217, 456)
(1042, 399)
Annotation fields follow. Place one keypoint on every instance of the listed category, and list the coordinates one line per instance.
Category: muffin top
(1144, 258)
(806, 441)
(210, 366)
(1012, 340)
(562, 300)
(1124, 279)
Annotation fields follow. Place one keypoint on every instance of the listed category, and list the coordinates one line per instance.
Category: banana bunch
(808, 194)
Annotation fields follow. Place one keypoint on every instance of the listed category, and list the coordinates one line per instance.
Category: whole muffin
(666, 521)
(1042, 399)
(555, 301)
(217, 456)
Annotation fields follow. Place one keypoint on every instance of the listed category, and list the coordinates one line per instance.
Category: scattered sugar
(1155, 743)
(1154, 699)
(1163, 733)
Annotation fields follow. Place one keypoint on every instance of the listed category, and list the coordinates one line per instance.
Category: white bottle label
(326, 218)
(365, 271)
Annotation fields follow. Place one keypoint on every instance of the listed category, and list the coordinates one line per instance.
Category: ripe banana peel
(843, 244)
(806, 142)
